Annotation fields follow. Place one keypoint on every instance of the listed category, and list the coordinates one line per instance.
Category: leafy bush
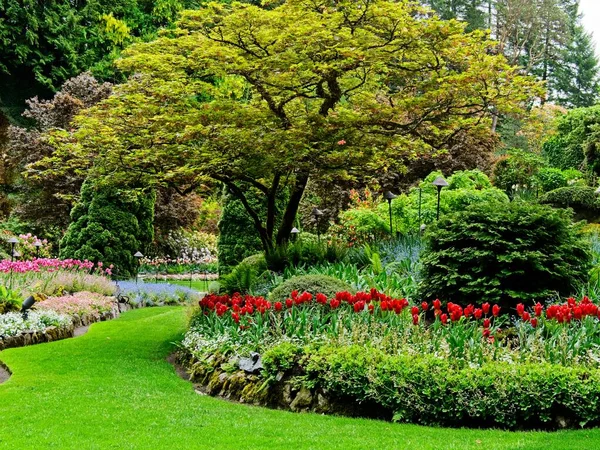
(364, 225)
(109, 225)
(12, 324)
(516, 168)
(582, 199)
(565, 149)
(309, 283)
(550, 178)
(503, 253)
(244, 275)
(10, 300)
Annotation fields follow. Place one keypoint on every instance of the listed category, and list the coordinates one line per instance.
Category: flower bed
(428, 363)
(157, 294)
(79, 304)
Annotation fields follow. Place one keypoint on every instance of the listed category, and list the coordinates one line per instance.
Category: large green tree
(270, 98)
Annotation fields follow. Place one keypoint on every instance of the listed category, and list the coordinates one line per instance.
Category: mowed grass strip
(113, 389)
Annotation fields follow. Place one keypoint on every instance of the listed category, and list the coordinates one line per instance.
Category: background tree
(577, 73)
(267, 99)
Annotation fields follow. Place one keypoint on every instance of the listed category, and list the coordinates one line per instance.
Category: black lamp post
(389, 197)
(439, 183)
(37, 245)
(317, 213)
(138, 256)
(12, 241)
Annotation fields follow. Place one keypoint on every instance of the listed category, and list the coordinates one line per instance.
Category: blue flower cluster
(150, 294)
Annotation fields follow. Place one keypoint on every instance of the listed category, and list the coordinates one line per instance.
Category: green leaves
(504, 253)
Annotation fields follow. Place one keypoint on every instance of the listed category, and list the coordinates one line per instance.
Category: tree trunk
(291, 210)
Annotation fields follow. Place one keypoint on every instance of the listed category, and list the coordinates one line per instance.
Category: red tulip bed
(430, 363)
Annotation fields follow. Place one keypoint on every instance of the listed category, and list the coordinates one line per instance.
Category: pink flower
(341, 142)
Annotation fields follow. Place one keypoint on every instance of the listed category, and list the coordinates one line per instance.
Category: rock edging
(224, 379)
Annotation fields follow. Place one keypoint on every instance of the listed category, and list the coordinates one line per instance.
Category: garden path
(113, 388)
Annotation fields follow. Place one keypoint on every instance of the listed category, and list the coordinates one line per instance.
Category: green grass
(113, 389)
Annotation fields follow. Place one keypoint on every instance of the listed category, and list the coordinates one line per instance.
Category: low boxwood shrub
(503, 253)
(309, 283)
(582, 199)
(427, 390)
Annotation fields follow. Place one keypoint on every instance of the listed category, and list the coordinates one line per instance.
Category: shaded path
(113, 388)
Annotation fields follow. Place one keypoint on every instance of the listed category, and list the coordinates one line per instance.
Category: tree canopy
(269, 98)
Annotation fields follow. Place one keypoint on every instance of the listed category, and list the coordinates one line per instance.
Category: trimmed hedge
(503, 253)
(309, 283)
(426, 390)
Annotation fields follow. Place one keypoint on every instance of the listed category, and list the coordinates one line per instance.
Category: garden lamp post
(389, 196)
(294, 233)
(420, 194)
(38, 244)
(138, 256)
(317, 213)
(12, 241)
(440, 183)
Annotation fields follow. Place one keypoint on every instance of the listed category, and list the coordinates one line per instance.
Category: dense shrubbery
(503, 253)
(309, 283)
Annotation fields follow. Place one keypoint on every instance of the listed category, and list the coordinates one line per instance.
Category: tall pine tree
(576, 77)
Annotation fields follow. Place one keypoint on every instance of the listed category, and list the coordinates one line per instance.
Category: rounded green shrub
(504, 253)
(582, 199)
(309, 283)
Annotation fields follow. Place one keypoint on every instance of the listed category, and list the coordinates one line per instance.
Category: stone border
(223, 378)
(5, 372)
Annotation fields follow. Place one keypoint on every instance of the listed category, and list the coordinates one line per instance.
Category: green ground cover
(113, 388)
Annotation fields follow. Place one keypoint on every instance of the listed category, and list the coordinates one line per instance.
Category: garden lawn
(113, 389)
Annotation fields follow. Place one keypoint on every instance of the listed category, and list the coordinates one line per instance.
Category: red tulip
(235, 317)
(486, 323)
(334, 303)
(534, 322)
(478, 313)
(520, 309)
(444, 318)
(495, 310)
(414, 310)
(437, 304)
(486, 332)
(415, 319)
(289, 302)
(278, 306)
(538, 309)
(526, 316)
(486, 308)
(424, 306)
